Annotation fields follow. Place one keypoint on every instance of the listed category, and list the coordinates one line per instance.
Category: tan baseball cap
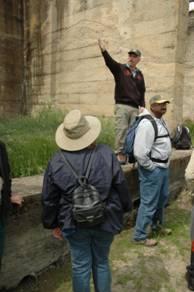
(135, 52)
(158, 99)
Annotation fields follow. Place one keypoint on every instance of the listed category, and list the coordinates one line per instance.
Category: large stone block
(11, 56)
(188, 104)
(71, 67)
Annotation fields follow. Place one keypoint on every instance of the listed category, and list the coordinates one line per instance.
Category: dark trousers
(2, 237)
(190, 270)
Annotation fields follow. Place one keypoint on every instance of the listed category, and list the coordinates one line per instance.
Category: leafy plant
(30, 140)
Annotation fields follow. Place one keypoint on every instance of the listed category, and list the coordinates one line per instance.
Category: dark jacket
(129, 89)
(6, 177)
(106, 175)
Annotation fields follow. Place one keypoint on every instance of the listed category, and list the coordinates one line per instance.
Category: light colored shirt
(145, 145)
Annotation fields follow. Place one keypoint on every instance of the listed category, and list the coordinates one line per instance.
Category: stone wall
(188, 105)
(29, 248)
(65, 67)
(49, 53)
(11, 56)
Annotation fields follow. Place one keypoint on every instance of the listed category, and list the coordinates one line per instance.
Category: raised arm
(109, 61)
(102, 45)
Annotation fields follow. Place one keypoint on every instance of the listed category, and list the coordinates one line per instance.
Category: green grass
(30, 140)
(190, 125)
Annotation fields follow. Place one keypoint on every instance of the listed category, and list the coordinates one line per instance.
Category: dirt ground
(137, 268)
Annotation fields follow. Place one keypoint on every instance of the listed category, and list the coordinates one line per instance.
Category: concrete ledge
(30, 248)
(178, 165)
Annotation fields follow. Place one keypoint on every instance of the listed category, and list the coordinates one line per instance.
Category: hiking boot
(147, 242)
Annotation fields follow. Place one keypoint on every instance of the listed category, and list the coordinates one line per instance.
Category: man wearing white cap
(129, 94)
(152, 151)
(89, 246)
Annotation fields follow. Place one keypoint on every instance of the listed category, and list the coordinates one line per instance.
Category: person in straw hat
(89, 247)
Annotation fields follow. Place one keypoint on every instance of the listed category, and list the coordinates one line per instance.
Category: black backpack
(182, 138)
(88, 208)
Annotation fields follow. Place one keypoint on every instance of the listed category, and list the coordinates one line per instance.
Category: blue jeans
(89, 253)
(153, 198)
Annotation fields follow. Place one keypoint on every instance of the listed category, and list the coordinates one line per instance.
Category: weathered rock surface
(49, 53)
(11, 57)
(66, 67)
(188, 105)
(29, 248)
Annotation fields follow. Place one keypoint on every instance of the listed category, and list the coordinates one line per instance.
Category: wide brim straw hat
(77, 131)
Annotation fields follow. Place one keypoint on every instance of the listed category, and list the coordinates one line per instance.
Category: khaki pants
(124, 117)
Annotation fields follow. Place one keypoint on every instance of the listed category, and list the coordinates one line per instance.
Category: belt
(159, 160)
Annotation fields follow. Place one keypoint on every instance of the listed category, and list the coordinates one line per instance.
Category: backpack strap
(81, 179)
(151, 119)
(90, 160)
(69, 164)
(168, 134)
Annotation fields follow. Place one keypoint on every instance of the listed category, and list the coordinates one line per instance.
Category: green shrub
(190, 125)
(30, 140)
(107, 134)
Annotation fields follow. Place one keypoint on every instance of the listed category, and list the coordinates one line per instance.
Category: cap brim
(162, 101)
(84, 141)
(130, 53)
